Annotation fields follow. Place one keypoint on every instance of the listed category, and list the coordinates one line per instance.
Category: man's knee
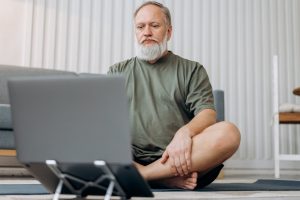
(228, 136)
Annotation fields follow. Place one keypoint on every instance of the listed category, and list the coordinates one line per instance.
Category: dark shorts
(209, 177)
(203, 181)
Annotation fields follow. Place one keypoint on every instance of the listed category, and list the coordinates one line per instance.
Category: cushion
(7, 139)
(5, 117)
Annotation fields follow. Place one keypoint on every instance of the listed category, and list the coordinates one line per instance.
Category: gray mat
(259, 185)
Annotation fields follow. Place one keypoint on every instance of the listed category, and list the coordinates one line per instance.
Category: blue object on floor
(22, 189)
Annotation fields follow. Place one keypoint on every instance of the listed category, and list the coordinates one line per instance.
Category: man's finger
(164, 157)
(187, 156)
(173, 166)
(183, 164)
(178, 166)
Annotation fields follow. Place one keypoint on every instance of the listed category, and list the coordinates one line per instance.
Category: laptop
(75, 121)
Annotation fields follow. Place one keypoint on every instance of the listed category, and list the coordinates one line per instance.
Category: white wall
(234, 39)
(12, 31)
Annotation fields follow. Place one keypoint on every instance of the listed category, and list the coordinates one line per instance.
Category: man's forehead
(149, 12)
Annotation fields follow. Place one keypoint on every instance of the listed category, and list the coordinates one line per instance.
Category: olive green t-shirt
(162, 98)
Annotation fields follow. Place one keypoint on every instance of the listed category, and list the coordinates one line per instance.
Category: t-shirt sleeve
(113, 69)
(199, 95)
(117, 68)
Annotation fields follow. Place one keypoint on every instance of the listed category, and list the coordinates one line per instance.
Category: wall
(12, 31)
(234, 39)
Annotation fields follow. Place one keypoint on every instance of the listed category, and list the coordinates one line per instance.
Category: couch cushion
(5, 117)
(7, 72)
(7, 139)
(219, 104)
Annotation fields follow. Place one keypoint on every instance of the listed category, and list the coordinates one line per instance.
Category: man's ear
(169, 32)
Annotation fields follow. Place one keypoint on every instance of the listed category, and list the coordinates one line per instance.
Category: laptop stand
(64, 181)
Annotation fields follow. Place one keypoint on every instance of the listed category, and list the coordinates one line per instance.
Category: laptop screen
(71, 119)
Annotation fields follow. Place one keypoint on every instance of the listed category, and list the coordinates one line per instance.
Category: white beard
(153, 52)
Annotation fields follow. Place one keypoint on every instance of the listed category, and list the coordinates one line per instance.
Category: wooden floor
(235, 195)
(186, 195)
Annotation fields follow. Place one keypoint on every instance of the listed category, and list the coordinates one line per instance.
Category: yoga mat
(259, 185)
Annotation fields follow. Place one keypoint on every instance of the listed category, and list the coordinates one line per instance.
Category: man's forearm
(201, 121)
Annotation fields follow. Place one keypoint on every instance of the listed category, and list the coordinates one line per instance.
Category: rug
(259, 185)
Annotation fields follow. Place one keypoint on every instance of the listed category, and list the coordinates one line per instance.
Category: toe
(194, 175)
(190, 186)
(191, 180)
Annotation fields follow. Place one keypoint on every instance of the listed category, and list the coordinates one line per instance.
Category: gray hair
(163, 8)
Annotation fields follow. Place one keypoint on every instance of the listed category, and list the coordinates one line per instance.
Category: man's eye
(139, 27)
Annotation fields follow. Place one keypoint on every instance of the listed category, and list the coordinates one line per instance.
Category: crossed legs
(210, 148)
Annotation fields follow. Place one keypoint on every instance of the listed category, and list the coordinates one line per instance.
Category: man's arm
(179, 149)
(201, 121)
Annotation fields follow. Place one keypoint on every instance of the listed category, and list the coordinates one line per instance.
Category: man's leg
(210, 148)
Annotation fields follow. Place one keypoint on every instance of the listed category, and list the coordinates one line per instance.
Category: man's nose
(147, 31)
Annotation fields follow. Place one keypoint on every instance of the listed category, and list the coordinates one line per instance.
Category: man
(175, 138)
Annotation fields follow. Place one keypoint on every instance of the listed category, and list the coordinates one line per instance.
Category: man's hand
(179, 152)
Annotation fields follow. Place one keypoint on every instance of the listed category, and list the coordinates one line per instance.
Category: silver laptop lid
(71, 119)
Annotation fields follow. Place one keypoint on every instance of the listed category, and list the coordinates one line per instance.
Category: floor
(238, 195)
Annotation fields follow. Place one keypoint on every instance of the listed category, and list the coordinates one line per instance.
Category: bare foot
(184, 182)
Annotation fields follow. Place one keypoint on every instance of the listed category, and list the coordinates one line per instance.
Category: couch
(8, 163)
(6, 72)
(7, 146)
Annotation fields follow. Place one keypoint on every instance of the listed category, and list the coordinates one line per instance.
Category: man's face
(151, 27)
